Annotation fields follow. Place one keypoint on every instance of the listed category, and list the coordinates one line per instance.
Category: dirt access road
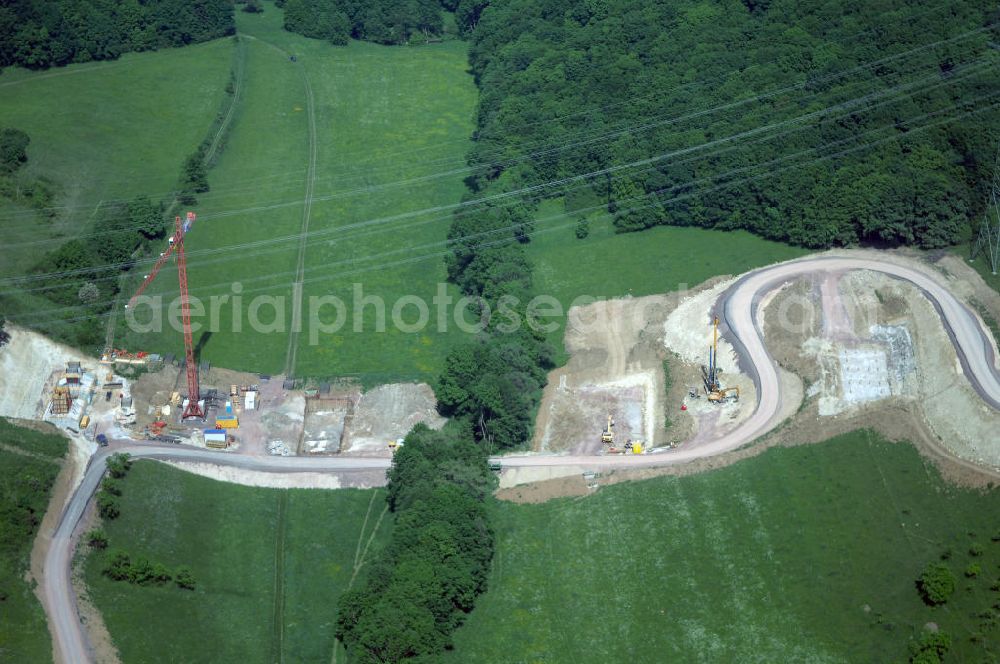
(737, 307)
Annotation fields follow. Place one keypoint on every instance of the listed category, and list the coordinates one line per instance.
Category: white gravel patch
(26, 362)
(259, 478)
(647, 382)
(688, 330)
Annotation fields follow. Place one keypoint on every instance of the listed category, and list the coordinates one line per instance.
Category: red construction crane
(193, 407)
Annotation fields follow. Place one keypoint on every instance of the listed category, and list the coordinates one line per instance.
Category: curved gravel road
(737, 308)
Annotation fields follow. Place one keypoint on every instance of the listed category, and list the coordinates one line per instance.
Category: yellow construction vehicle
(728, 393)
(608, 435)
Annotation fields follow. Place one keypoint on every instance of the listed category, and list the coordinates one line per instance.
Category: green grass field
(392, 130)
(383, 116)
(982, 265)
(100, 132)
(26, 478)
(270, 565)
(392, 126)
(771, 559)
(661, 259)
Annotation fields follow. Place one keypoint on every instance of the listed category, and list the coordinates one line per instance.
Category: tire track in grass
(368, 544)
(293, 337)
(239, 66)
(364, 524)
(238, 73)
(359, 560)
(278, 610)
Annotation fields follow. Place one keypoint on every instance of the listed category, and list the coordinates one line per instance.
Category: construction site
(627, 390)
(136, 395)
(850, 346)
(613, 398)
(645, 375)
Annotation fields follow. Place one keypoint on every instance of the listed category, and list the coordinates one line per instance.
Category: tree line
(83, 276)
(119, 565)
(420, 588)
(493, 382)
(379, 21)
(617, 88)
(47, 33)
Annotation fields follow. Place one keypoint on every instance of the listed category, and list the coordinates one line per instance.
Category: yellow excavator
(710, 374)
(608, 435)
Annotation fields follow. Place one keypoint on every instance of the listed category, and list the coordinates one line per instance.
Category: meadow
(29, 463)
(269, 566)
(380, 158)
(100, 132)
(661, 259)
(392, 127)
(391, 123)
(801, 554)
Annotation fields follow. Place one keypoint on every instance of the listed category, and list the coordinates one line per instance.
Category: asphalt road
(737, 308)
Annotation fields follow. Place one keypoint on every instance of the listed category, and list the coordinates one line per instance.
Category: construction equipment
(729, 393)
(113, 356)
(710, 373)
(633, 447)
(608, 435)
(194, 406)
(62, 400)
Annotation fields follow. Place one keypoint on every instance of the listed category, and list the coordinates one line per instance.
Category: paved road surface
(737, 308)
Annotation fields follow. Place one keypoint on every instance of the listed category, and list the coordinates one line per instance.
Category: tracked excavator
(608, 435)
(710, 373)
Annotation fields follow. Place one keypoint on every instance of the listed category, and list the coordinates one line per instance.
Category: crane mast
(193, 407)
(712, 370)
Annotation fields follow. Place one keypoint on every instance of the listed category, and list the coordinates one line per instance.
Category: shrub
(89, 292)
(119, 464)
(582, 228)
(184, 578)
(930, 648)
(13, 149)
(112, 486)
(973, 570)
(141, 572)
(118, 566)
(108, 506)
(97, 539)
(936, 584)
(161, 574)
(976, 549)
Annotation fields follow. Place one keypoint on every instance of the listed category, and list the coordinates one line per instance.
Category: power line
(509, 240)
(988, 241)
(655, 123)
(874, 100)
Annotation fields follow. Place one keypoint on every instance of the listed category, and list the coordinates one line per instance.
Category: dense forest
(428, 577)
(818, 123)
(494, 382)
(379, 21)
(48, 33)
